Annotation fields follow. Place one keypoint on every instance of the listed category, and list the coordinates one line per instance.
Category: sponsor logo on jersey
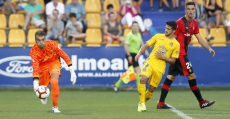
(16, 66)
(163, 49)
(177, 52)
(187, 34)
(160, 38)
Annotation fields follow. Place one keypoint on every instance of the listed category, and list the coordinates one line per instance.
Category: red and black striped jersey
(184, 32)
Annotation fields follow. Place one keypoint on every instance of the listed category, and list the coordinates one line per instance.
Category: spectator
(51, 6)
(2, 9)
(129, 13)
(214, 14)
(32, 15)
(166, 4)
(110, 9)
(79, 10)
(17, 5)
(113, 30)
(199, 16)
(74, 29)
(55, 28)
(139, 3)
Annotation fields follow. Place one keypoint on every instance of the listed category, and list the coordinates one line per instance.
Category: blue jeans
(60, 38)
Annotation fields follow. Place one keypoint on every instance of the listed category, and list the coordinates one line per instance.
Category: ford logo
(16, 66)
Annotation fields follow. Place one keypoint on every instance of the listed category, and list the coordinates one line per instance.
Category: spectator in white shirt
(54, 4)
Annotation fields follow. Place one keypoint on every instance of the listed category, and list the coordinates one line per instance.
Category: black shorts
(182, 66)
(135, 64)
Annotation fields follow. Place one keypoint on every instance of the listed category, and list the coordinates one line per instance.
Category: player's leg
(149, 92)
(195, 89)
(174, 69)
(54, 71)
(141, 91)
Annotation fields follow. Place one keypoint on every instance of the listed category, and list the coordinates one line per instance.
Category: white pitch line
(179, 113)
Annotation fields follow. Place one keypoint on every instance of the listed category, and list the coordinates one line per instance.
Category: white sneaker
(55, 110)
(44, 101)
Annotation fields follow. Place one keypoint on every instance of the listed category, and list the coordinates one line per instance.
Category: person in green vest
(133, 42)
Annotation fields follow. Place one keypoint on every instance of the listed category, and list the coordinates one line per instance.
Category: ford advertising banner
(101, 66)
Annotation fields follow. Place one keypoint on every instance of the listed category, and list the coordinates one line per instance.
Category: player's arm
(204, 44)
(146, 51)
(67, 60)
(143, 49)
(35, 65)
(160, 55)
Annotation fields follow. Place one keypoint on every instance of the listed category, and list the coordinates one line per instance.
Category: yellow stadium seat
(93, 45)
(113, 45)
(70, 1)
(219, 45)
(219, 3)
(15, 20)
(126, 32)
(115, 3)
(228, 17)
(60, 1)
(2, 38)
(73, 45)
(199, 2)
(94, 20)
(16, 38)
(93, 6)
(203, 35)
(41, 2)
(31, 36)
(196, 45)
(219, 36)
(227, 6)
(93, 36)
(114, 42)
(2, 21)
(126, 27)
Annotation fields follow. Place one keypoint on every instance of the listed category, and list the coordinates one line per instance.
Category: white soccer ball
(43, 92)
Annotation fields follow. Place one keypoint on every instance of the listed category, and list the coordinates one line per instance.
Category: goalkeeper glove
(73, 75)
(36, 84)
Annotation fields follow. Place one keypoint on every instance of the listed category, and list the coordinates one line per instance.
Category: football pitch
(105, 104)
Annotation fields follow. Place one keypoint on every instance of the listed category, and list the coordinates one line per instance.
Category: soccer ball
(43, 92)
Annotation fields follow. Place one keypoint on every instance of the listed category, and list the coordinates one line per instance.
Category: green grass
(23, 104)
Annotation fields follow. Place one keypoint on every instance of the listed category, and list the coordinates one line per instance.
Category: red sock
(55, 91)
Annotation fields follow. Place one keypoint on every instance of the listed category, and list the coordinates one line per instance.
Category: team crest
(51, 50)
(177, 52)
(171, 44)
(163, 50)
(190, 70)
(193, 27)
(186, 27)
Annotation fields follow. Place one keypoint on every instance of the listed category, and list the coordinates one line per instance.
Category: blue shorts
(201, 22)
(20, 7)
(212, 19)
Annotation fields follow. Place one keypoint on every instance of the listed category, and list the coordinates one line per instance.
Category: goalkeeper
(133, 41)
(45, 58)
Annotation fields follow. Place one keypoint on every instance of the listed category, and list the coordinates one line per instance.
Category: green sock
(119, 82)
(137, 79)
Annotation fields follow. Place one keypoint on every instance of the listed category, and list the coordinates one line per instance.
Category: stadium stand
(3, 21)
(94, 20)
(15, 20)
(70, 1)
(219, 3)
(92, 6)
(115, 3)
(227, 6)
(16, 38)
(199, 2)
(219, 34)
(94, 37)
(126, 31)
(2, 38)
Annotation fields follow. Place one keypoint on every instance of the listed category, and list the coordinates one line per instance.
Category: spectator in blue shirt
(79, 10)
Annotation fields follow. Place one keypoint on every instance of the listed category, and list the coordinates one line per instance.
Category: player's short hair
(109, 6)
(40, 33)
(134, 22)
(72, 15)
(172, 24)
(189, 3)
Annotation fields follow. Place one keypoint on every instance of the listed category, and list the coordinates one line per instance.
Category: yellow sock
(141, 91)
(148, 95)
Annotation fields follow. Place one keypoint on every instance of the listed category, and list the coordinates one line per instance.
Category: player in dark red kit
(186, 28)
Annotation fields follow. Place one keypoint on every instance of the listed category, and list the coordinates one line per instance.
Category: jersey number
(189, 65)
